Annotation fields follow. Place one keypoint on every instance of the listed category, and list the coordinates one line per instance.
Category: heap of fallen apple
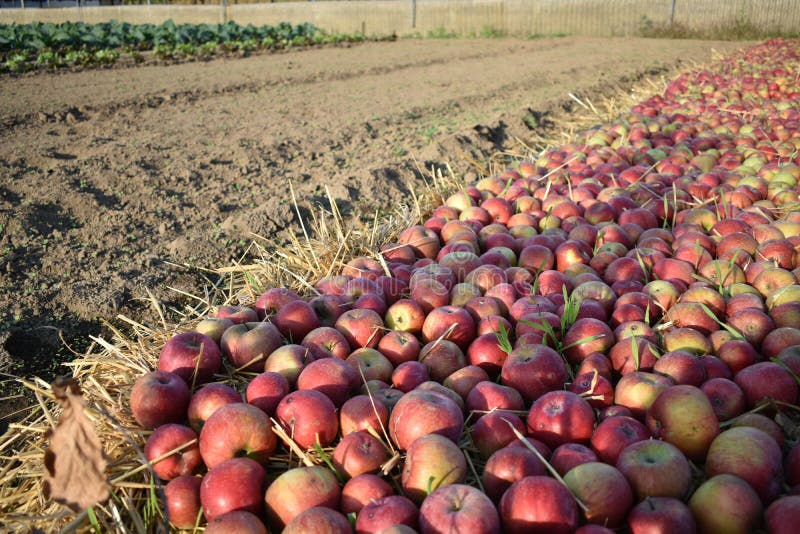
(605, 337)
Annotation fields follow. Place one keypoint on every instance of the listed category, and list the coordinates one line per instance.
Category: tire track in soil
(110, 177)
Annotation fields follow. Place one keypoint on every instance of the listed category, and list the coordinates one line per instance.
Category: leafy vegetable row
(113, 34)
(47, 45)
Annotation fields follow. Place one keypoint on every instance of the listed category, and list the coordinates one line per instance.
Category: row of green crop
(113, 34)
(29, 46)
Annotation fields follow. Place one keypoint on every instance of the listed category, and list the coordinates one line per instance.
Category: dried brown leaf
(75, 460)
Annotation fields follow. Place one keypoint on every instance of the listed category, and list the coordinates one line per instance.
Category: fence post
(413, 14)
(672, 15)
(224, 5)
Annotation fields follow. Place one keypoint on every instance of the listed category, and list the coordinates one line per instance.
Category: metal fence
(462, 17)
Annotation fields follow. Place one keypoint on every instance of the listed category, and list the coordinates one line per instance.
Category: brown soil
(116, 181)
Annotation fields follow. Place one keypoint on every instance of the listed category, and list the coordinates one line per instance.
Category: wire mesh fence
(709, 18)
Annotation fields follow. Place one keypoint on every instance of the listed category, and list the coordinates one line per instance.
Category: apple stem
(549, 467)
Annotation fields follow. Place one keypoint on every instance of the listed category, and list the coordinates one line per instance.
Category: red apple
(485, 351)
(603, 490)
(753, 324)
(409, 375)
(423, 241)
(399, 347)
(779, 339)
(538, 504)
(738, 354)
(309, 417)
(327, 308)
(334, 378)
(750, 454)
(594, 362)
(288, 360)
(370, 364)
(638, 390)
(655, 468)
(236, 522)
(682, 367)
(463, 380)
(430, 294)
(167, 438)
(533, 370)
(266, 390)
(158, 398)
(683, 416)
(767, 380)
(299, 489)
(458, 508)
(486, 277)
(436, 387)
(569, 455)
(213, 327)
(487, 396)
(559, 417)
(324, 342)
(370, 301)
(234, 430)
(193, 356)
(442, 358)
(661, 514)
(358, 453)
(633, 354)
(432, 461)
(418, 413)
(247, 345)
(182, 495)
(492, 431)
(238, 314)
(362, 412)
(319, 520)
(615, 433)
(295, 320)
(269, 302)
(389, 397)
(727, 399)
(236, 484)
(726, 503)
(480, 307)
(493, 325)
(783, 514)
(586, 336)
(508, 465)
(596, 389)
(361, 490)
(207, 400)
(380, 514)
(452, 323)
(688, 339)
(360, 327)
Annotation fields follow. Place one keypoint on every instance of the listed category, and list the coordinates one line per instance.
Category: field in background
(720, 19)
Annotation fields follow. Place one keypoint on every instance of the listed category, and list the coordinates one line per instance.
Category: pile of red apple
(607, 338)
